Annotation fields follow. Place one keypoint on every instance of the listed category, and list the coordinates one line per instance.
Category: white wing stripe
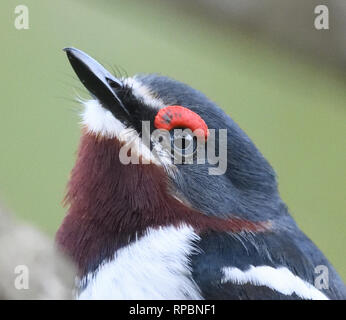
(279, 279)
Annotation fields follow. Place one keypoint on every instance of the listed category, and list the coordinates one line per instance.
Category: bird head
(153, 152)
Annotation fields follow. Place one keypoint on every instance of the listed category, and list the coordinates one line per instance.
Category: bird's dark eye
(183, 143)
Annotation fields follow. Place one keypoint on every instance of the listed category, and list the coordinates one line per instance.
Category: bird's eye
(183, 143)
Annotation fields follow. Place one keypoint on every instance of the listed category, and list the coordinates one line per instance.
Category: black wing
(272, 250)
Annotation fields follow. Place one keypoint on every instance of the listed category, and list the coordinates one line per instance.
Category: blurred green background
(293, 107)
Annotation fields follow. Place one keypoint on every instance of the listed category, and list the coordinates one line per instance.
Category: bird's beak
(99, 82)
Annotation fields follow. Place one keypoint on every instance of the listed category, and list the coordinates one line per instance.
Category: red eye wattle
(172, 117)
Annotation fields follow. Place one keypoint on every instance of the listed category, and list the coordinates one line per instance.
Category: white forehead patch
(143, 93)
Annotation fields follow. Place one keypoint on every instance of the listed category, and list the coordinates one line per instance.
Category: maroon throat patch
(110, 204)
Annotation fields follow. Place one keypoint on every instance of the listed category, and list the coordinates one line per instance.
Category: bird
(169, 199)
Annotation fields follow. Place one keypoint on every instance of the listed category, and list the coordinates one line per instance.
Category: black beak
(99, 82)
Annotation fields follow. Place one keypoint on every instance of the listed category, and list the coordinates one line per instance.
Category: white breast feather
(154, 267)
